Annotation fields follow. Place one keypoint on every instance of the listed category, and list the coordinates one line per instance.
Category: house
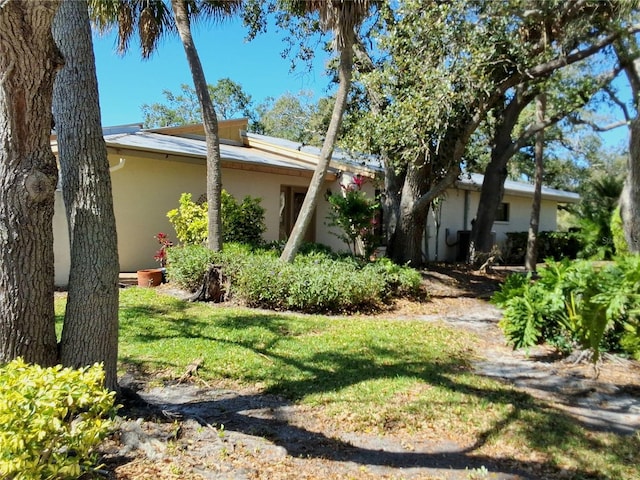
(151, 168)
(451, 241)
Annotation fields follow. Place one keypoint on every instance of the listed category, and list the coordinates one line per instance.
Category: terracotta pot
(151, 277)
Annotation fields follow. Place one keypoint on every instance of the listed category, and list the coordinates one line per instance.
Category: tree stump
(214, 288)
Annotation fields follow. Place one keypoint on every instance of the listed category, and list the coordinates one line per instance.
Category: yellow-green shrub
(52, 418)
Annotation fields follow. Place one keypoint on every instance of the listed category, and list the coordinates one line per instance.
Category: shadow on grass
(544, 428)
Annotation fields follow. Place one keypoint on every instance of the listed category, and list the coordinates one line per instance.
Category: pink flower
(358, 181)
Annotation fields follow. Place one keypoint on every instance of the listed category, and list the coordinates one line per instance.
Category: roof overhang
(474, 181)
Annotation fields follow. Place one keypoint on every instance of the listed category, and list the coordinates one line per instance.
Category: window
(502, 215)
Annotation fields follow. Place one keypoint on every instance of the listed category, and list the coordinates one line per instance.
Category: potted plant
(152, 277)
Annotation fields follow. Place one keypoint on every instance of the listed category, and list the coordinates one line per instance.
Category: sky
(127, 82)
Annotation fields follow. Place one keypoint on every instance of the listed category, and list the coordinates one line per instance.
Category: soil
(192, 430)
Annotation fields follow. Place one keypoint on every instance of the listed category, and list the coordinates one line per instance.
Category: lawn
(385, 377)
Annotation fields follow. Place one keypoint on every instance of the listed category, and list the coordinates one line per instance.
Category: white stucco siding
(454, 220)
(441, 244)
(61, 254)
(144, 190)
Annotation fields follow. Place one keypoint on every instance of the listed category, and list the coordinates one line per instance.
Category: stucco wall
(145, 189)
(61, 254)
(453, 219)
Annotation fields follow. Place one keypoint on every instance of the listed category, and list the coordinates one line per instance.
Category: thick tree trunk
(90, 333)
(495, 174)
(315, 190)
(490, 198)
(390, 201)
(28, 177)
(210, 122)
(531, 256)
(630, 198)
(405, 242)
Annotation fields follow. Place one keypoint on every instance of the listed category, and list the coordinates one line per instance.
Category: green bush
(399, 281)
(241, 222)
(190, 221)
(576, 303)
(186, 265)
(554, 245)
(318, 281)
(355, 215)
(52, 419)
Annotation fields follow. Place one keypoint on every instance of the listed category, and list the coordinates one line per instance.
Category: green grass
(369, 375)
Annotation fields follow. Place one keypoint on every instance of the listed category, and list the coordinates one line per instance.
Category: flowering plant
(355, 215)
(165, 243)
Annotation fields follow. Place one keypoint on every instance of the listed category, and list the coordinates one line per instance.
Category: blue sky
(125, 83)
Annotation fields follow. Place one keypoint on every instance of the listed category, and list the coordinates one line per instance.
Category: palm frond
(218, 10)
(340, 16)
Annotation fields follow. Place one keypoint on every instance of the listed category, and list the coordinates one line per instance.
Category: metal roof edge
(521, 189)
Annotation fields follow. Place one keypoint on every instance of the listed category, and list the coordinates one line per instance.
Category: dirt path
(191, 431)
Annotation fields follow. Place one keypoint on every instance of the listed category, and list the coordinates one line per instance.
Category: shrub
(241, 222)
(399, 281)
(316, 282)
(321, 284)
(575, 303)
(52, 418)
(189, 221)
(355, 215)
(554, 245)
(186, 265)
(261, 281)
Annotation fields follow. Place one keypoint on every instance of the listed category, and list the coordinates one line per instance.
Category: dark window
(291, 199)
(502, 214)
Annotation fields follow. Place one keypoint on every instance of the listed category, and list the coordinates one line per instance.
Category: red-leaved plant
(165, 243)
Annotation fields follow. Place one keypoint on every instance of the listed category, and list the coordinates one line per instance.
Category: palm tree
(154, 19)
(342, 17)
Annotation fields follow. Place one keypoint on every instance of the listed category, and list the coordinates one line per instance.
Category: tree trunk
(90, 333)
(28, 177)
(490, 198)
(630, 198)
(315, 190)
(495, 174)
(532, 239)
(390, 201)
(210, 122)
(405, 242)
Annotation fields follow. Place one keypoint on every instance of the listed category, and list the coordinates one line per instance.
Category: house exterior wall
(145, 189)
(61, 255)
(453, 220)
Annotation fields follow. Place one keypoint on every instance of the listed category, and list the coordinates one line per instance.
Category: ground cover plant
(368, 375)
